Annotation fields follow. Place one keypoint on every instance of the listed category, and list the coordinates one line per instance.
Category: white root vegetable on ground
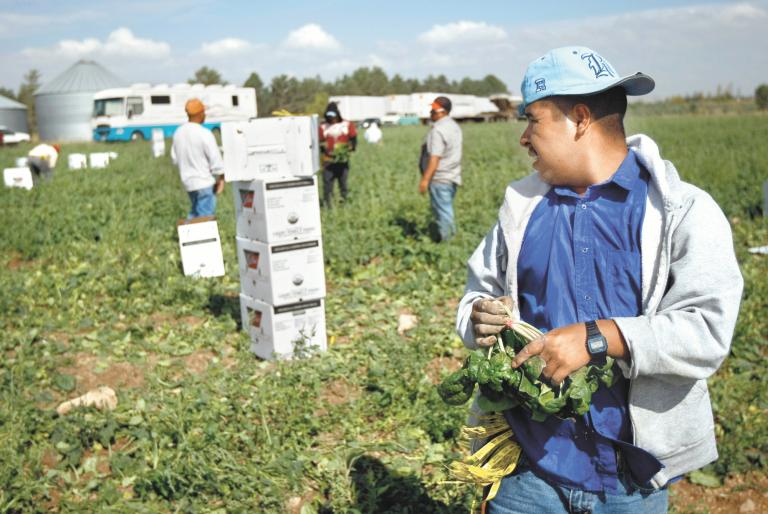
(102, 398)
(406, 322)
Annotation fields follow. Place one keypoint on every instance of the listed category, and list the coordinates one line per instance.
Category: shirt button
(587, 298)
(583, 206)
(584, 250)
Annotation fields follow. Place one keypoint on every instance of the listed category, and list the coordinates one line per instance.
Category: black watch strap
(597, 357)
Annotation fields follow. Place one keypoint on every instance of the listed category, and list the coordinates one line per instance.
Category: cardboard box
(269, 147)
(281, 273)
(18, 177)
(277, 209)
(200, 247)
(77, 161)
(158, 149)
(158, 142)
(286, 330)
(98, 160)
(21, 162)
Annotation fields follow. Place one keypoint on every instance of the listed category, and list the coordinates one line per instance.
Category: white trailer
(463, 106)
(359, 108)
(128, 113)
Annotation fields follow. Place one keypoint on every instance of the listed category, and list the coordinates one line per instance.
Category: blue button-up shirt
(580, 261)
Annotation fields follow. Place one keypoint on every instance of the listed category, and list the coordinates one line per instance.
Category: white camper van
(130, 113)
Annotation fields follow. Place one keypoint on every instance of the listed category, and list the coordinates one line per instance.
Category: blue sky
(686, 46)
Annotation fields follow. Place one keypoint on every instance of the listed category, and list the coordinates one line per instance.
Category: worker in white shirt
(42, 160)
(200, 165)
(373, 133)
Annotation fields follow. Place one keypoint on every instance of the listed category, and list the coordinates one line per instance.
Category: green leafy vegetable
(503, 387)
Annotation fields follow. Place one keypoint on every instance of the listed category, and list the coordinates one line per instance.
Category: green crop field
(93, 294)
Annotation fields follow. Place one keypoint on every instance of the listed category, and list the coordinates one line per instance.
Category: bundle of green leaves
(503, 387)
(340, 152)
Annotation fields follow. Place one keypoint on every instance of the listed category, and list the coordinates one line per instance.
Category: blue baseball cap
(576, 70)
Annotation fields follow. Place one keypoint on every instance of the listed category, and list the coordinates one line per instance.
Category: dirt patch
(340, 391)
(741, 493)
(452, 304)
(197, 362)
(161, 319)
(439, 365)
(339, 340)
(15, 262)
(295, 504)
(118, 375)
(59, 337)
(158, 319)
(50, 459)
(190, 321)
(54, 499)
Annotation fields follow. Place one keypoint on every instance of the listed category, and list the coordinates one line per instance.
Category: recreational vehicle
(130, 113)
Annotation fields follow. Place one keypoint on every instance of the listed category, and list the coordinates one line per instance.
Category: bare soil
(117, 375)
(739, 494)
(340, 391)
(439, 365)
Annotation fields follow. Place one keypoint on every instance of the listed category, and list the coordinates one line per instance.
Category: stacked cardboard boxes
(271, 163)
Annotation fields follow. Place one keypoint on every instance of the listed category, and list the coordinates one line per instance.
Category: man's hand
(219, 186)
(489, 318)
(426, 177)
(563, 350)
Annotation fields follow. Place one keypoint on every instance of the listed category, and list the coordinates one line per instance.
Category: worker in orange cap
(441, 166)
(197, 155)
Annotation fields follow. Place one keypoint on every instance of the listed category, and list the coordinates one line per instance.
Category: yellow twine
(496, 459)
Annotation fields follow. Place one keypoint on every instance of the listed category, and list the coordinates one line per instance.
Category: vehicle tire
(137, 136)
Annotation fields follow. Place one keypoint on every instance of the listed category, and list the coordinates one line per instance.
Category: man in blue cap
(606, 250)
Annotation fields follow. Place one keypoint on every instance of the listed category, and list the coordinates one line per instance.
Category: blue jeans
(523, 492)
(203, 203)
(441, 198)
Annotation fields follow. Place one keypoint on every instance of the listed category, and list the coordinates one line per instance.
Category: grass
(93, 294)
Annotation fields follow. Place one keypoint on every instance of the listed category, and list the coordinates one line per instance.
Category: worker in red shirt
(338, 138)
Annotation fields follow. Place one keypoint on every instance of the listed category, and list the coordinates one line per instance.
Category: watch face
(597, 345)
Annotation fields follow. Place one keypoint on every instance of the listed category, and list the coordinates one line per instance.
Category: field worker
(338, 137)
(201, 169)
(605, 249)
(442, 175)
(373, 134)
(42, 160)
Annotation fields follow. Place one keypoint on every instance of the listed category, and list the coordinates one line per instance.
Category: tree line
(310, 94)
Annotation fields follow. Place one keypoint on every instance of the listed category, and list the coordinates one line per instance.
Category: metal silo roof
(81, 77)
(7, 103)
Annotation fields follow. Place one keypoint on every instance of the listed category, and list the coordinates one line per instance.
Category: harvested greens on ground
(503, 387)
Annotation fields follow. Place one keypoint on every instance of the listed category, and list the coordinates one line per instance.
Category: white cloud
(311, 37)
(120, 43)
(73, 48)
(123, 42)
(226, 46)
(685, 49)
(462, 32)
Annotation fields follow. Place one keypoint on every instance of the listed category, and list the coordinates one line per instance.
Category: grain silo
(13, 115)
(64, 105)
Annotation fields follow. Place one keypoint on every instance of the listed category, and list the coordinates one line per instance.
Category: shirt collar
(627, 173)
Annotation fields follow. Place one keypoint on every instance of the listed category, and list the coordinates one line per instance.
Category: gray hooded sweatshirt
(691, 290)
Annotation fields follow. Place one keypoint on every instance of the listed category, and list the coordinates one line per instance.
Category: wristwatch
(597, 345)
